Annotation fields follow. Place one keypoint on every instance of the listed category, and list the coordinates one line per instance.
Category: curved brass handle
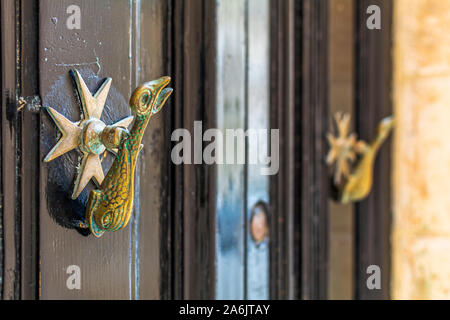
(109, 208)
(354, 183)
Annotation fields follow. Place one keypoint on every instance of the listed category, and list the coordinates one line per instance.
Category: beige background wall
(421, 231)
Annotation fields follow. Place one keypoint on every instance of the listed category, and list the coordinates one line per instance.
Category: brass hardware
(90, 134)
(354, 159)
(109, 207)
(258, 222)
(21, 102)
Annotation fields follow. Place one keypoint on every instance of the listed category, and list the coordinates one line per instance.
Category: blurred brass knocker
(354, 159)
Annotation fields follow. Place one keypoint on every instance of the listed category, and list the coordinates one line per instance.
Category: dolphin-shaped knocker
(109, 207)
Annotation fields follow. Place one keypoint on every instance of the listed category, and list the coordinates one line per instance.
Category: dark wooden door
(123, 40)
(177, 243)
(234, 64)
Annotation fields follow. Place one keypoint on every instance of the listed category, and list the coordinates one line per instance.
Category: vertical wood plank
(11, 129)
(314, 148)
(30, 163)
(192, 187)
(102, 46)
(285, 97)
(341, 72)
(373, 67)
(231, 114)
(199, 181)
(20, 192)
(257, 118)
(172, 222)
(149, 41)
(299, 108)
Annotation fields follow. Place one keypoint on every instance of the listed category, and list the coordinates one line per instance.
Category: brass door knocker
(354, 159)
(109, 207)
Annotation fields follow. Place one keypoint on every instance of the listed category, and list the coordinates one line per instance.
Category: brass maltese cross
(90, 134)
(344, 148)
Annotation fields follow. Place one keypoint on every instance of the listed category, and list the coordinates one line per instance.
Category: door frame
(19, 248)
(299, 193)
(373, 102)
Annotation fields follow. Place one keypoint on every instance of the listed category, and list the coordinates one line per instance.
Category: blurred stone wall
(421, 229)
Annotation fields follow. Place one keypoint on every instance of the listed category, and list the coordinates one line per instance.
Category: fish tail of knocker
(121, 218)
(91, 208)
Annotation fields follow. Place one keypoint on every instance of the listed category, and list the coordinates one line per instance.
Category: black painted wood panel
(299, 193)
(192, 192)
(315, 185)
(373, 102)
(285, 210)
(20, 149)
(11, 132)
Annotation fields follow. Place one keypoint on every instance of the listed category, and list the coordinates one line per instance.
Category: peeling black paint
(11, 110)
